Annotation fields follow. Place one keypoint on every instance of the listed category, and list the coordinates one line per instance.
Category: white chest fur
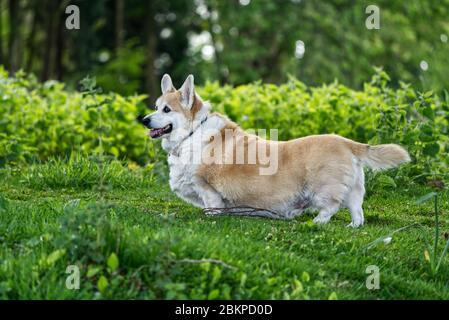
(184, 162)
(182, 177)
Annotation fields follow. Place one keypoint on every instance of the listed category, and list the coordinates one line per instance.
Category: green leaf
(216, 274)
(88, 83)
(305, 276)
(213, 294)
(298, 286)
(333, 296)
(426, 197)
(243, 279)
(428, 94)
(92, 271)
(54, 256)
(114, 151)
(102, 283)
(113, 262)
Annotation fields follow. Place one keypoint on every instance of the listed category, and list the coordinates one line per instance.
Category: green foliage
(44, 120)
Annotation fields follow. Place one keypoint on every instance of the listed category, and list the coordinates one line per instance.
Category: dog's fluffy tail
(382, 156)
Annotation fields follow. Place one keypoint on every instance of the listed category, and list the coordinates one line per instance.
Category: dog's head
(176, 110)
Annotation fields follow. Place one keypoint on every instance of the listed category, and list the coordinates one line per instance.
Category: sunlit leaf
(113, 262)
(102, 283)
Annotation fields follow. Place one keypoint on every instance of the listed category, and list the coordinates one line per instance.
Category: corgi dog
(319, 172)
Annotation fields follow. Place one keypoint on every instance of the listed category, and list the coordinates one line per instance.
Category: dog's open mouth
(159, 132)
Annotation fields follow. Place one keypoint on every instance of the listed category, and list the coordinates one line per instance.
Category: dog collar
(174, 151)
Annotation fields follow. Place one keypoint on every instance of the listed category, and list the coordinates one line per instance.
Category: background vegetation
(128, 45)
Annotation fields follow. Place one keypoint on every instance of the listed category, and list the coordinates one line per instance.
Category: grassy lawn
(131, 237)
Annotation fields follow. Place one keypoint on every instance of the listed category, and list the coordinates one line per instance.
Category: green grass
(79, 212)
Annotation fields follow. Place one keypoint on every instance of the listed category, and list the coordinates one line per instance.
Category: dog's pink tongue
(155, 133)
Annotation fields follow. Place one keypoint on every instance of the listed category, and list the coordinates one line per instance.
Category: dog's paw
(211, 212)
(355, 224)
(321, 219)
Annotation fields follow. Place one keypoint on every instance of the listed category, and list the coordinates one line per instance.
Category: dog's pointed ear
(167, 84)
(188, 92)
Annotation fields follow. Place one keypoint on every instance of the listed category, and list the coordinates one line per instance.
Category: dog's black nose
(146, 121)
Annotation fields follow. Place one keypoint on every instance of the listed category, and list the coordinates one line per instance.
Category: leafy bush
(43, 120)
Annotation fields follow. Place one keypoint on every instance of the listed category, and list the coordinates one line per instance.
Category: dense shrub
(43, 120)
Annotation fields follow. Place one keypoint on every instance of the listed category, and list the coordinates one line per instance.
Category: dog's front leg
(211, 198)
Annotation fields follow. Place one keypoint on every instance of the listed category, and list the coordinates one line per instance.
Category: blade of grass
(437, 231)
(443, 254)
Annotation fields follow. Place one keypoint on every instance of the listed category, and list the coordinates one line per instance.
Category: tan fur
(313, 162)
(173, 100)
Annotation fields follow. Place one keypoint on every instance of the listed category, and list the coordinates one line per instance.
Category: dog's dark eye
(166, 109)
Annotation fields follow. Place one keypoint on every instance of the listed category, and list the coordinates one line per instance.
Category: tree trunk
(60, 39)
(151, 54)
(30, 42)
(50, 40)
(119, 24)
(218, 63)
(14, 36)
(59, 47)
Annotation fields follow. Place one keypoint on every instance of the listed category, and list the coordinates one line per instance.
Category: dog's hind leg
(328, 202)
(354, 201)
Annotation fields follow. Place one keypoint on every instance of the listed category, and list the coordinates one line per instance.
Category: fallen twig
(244, 211)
